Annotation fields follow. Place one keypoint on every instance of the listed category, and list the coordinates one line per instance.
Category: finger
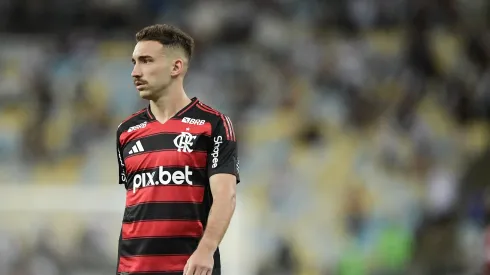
(204, 271)
(209, 272)
(186, 269)
(191, 270)
(197, 271)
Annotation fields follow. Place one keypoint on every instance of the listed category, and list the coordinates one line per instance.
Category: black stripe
(159, 246)
(199, 177)
(163, 211)
(165, 141)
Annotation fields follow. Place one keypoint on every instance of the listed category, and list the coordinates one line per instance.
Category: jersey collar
(193, 102)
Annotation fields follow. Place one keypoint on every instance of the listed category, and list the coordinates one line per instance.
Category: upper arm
(120, 161)
(222, 152)
(223, 186)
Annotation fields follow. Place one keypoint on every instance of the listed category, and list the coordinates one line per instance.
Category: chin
(145, 94)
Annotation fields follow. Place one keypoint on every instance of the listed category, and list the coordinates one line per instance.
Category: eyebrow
(141, 57)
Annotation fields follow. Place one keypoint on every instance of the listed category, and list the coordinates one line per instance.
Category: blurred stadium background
(363, 128)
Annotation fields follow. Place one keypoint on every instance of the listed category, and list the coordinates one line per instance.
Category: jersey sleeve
(120, 162)
(222, 154)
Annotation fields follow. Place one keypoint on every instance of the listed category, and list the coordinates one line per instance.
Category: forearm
(218, 221)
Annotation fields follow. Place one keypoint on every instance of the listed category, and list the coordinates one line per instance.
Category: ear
(178, 67)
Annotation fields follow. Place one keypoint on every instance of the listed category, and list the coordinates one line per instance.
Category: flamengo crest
(184, 141)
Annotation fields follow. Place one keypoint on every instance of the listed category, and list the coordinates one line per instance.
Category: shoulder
(205, 111)
(209, 114)
(132, 120)
(220, 122)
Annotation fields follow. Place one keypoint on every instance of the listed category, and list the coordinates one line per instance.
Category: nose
(136, 73)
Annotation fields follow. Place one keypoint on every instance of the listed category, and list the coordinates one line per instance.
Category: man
(178, 162)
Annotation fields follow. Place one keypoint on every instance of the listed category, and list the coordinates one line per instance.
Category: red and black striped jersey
(165, 168)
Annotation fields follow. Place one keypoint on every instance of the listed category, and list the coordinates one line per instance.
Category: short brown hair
(169, 36)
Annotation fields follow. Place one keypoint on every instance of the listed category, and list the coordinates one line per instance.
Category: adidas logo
(137, 148)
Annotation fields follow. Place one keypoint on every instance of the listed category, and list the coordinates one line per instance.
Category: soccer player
(178, 162)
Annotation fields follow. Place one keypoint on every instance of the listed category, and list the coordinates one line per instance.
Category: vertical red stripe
(233, 137)
(165, 193)
(230, 133)
(152, 263)
(155, 229)
(226, 127)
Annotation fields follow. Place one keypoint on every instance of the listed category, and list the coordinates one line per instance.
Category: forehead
(147, 48)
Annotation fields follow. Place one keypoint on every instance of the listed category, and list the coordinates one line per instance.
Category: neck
(169, 104)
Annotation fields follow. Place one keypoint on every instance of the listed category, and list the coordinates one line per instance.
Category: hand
(200, 263)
